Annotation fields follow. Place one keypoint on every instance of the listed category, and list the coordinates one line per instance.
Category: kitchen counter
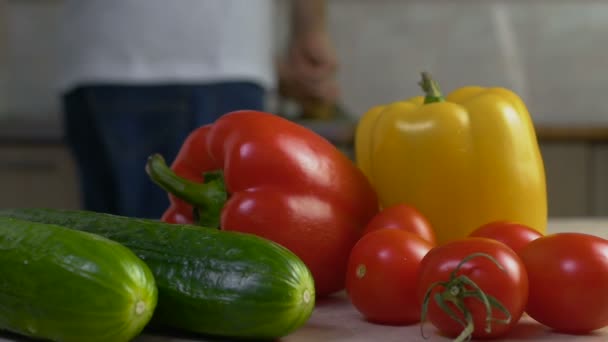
(334, 318)
(31, 131)
(573, 133)
(338, 131)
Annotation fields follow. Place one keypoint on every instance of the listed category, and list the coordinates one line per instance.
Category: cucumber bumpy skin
(65, 285)
(210, 281)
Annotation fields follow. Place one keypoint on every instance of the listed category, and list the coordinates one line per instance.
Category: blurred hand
(308, 71)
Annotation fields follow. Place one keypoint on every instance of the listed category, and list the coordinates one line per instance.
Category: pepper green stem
(207, 198)
(431, 89)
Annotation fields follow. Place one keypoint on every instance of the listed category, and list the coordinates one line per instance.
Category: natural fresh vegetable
(474, 287)
(512, 234)
(381, 277)
(209, 281)
(405, 217)
(283, 182)
(64, 285)
(462, 161)
(568, 274)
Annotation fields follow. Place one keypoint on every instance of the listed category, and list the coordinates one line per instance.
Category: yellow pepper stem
(431, 89)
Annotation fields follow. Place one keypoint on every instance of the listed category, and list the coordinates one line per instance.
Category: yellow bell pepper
(464, 160)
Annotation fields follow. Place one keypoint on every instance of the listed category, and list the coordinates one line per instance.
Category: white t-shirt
(166, 41)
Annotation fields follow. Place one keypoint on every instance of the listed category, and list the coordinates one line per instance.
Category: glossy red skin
(568, 281)
(274, 165)
(319, 233)
(510, 287)
(512, 234)
(386, 294)
(404, 217)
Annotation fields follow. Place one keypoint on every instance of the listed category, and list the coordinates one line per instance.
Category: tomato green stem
(207, 198)
(455, 291)
(430, 88)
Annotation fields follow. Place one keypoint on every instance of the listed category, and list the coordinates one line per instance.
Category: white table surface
(335, 319)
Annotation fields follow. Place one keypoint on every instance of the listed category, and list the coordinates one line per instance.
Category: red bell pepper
(258, 173)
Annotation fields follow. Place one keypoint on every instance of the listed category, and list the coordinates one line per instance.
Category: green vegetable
(210, 281)
(65, 285)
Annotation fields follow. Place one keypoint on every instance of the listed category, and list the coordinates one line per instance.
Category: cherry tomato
(381, 276)
(512, 234)
(507, 284)
(568, 275)
(405, 217)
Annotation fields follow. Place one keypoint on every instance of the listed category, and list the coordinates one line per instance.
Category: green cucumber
(65, 285)
(209, 281)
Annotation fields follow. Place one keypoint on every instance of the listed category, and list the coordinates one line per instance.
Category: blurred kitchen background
(553, 53)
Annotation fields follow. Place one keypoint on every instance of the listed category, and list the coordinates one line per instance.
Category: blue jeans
(111, 130)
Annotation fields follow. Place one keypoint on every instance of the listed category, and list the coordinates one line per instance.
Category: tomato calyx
(457, 288)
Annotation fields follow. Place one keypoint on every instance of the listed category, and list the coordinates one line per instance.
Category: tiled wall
(28, 66)
(553, 53)
(3, 52)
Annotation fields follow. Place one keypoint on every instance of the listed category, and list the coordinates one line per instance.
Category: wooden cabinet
(44, 175)
(37, 175)
(576, 164)
(567, 170)
(600, 188)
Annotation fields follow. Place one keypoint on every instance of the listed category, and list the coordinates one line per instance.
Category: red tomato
(568, 281)
(512, 234)
(381, 276)
(405, 217)
(508, 285)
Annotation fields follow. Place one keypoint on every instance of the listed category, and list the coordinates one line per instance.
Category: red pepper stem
(431, 89)
(207, 198)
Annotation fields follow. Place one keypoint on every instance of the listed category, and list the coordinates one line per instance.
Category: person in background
(137, 76)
